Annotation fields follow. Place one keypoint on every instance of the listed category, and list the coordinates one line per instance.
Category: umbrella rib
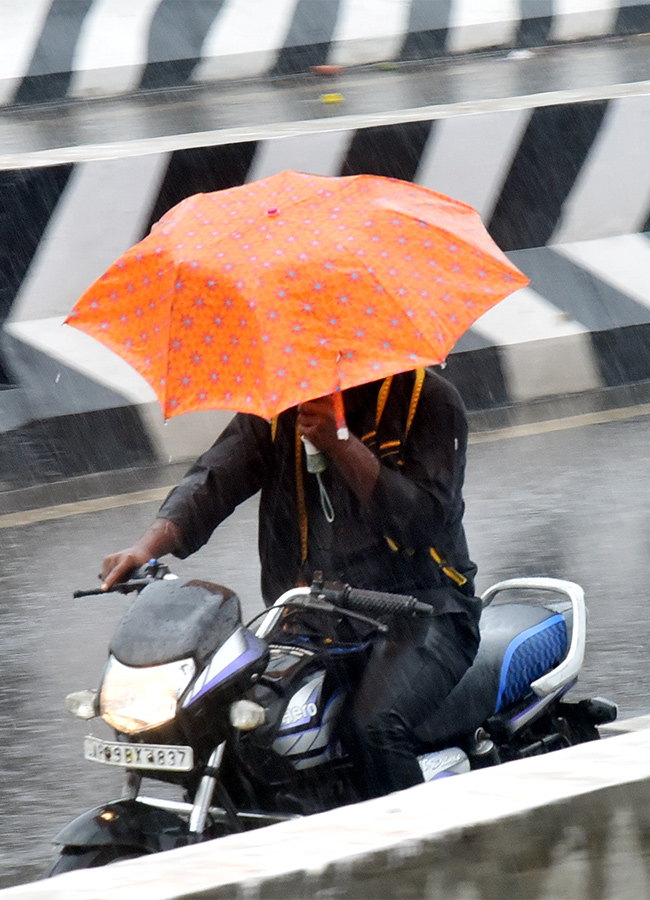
(372, 275)
(167, 342)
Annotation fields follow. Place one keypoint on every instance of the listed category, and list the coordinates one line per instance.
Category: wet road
(569, 503)
(373, 95)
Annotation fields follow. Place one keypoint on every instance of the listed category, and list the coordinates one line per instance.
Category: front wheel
(72, 858)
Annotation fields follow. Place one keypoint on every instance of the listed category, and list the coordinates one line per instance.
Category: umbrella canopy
(260, 297)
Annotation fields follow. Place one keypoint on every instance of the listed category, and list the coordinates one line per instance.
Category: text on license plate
(164, 757)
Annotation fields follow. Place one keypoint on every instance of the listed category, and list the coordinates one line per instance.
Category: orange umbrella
(262, 296)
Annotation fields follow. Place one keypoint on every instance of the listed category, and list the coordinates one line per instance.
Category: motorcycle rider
(392, 522)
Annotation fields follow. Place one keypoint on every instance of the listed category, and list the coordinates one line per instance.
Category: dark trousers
(409, 674)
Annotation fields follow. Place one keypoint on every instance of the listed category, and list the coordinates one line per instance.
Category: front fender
(126, 823)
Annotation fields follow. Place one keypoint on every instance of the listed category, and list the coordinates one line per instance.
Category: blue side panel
(529, 656)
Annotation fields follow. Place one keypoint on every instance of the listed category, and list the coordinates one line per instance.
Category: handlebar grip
(121, 587)
(93, 592)
(378, 603)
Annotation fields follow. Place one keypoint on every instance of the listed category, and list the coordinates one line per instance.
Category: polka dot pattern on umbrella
(258, 297)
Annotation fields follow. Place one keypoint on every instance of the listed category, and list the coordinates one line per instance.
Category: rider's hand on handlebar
(118, 566)
(162, 537)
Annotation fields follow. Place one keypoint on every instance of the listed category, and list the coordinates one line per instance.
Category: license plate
(163, 757)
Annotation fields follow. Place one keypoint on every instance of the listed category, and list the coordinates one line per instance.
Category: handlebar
(140, 578)
(341, 598)
(122, 587)
(377, 603)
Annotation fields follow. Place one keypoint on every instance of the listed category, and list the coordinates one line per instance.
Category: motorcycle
(243, 718)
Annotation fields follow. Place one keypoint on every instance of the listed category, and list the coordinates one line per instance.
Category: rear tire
(72, 858)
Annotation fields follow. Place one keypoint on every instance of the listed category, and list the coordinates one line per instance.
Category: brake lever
(317, 603)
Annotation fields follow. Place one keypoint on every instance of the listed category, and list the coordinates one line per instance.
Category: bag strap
(457, 577)
(415, 399)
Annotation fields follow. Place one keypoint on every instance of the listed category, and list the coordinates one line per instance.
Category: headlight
(136, 699)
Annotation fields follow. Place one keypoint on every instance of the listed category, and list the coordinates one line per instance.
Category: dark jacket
(417, 503)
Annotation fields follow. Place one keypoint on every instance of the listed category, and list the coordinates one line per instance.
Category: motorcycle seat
(519, 643)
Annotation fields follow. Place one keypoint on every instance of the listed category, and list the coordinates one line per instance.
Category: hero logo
(303, 706)
(295, 713)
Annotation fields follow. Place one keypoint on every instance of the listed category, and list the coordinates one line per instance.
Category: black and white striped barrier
(564, 189)
(51, 50)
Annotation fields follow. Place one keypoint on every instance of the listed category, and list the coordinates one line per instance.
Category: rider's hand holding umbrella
(317, 422)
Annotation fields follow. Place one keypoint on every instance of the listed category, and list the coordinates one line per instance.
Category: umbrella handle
(316, 461)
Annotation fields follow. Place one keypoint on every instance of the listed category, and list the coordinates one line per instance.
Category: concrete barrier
(564, 188)
(573, 824)
(52, 50)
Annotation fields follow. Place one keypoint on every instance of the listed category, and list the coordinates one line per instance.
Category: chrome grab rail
(572, 662)
(270, 620)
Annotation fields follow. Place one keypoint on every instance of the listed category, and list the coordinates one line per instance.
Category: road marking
(593, 418)
(152, 495)
(80, 507)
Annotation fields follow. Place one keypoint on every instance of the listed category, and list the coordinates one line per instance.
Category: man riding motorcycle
(385, 514)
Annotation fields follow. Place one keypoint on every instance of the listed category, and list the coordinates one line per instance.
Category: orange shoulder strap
(415, 399)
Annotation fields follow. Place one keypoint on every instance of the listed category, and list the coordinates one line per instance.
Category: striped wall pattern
(52, 50)
(564, 190)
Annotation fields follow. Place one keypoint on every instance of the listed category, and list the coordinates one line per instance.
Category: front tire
(72, 858)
